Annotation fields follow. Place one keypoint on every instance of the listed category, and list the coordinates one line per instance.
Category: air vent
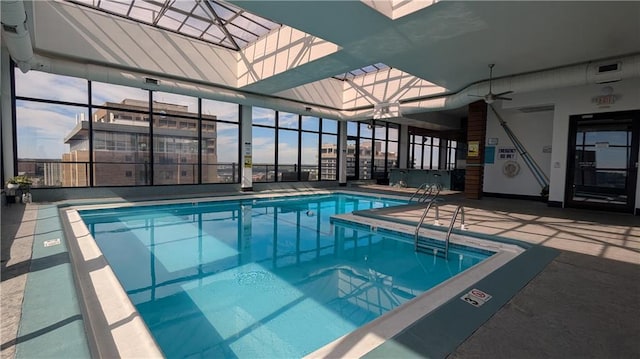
(607, 72)
(10, 28)
(151, 81)
(542, 108)
(609, 67)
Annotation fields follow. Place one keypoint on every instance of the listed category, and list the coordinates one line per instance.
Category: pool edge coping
(361, 341)
(137, 325)
(111, 319)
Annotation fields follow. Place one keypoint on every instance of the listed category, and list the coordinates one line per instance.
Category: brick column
(476, 133)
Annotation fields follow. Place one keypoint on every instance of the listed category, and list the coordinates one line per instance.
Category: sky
(42, 127)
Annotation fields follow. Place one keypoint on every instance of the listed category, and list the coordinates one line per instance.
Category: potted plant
(20, 182)
(13, 184)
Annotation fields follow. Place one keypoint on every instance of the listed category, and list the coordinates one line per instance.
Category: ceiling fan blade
(502, 98)
(503, 93)
(475, 95)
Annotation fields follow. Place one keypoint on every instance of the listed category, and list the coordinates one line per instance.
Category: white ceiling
(451, 43)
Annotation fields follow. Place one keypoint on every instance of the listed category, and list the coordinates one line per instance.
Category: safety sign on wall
(507, 153)
(473, 148)
(476, 297)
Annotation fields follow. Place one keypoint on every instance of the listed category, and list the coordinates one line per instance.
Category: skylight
(217, 22)
(361, 71)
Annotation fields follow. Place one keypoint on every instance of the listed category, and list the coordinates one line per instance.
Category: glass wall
(310, 148)
(220, 142)
(120, 136)
(329, 150)
(376, 152)
(292, 147)
(120, 157)
(49, 110)
(264, 144)
(429, 152)
(76, 133)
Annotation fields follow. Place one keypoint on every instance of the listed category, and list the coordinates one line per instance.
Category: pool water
(266, 278)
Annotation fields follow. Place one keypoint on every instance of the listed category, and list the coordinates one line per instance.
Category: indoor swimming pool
(267, 277)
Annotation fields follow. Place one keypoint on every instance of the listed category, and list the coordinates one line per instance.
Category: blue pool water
(266, 278)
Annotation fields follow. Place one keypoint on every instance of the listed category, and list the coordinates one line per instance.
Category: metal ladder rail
(424, 215)
(424, 185)
(430, 195)
(426, 194)
(459, 209)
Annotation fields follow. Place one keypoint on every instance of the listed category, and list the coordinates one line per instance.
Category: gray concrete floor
(585, 304)
(580, 306)
(18, 226)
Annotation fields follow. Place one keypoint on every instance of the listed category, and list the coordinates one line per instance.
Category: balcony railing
(56, 173)
(291, 173)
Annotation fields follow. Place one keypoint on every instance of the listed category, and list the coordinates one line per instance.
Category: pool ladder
(429, 192)
(421, 245)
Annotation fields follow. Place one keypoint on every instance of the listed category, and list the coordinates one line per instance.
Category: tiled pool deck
(583, 304)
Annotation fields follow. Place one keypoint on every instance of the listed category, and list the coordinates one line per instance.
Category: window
(220, 142)
(288, 120)
(264, 145)
(427, 152)
(329, 156)
(310, 157)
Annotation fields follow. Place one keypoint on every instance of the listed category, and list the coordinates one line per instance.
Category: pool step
(430, 246)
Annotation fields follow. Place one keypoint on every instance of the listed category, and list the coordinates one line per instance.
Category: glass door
(353, 158)
(603, 160)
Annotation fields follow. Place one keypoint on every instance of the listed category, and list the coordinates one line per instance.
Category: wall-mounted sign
(492, 141)
(507, 153)
(604, 100)
(489, 154)
(473, 149)
(607, 99)
(247, 161)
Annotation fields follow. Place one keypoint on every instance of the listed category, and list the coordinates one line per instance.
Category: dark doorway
(602, 164)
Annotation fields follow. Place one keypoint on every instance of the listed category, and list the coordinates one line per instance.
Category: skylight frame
(369, 69)
(239, 27)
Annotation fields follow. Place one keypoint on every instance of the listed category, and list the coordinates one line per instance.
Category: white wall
(575, 101)
(534, 131)
(5, 113)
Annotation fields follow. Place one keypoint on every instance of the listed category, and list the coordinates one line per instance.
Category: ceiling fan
(491, 97)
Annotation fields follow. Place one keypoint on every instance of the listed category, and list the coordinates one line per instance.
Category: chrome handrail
(424, 215)
(453, 221)
(416, 192)
(429, 194)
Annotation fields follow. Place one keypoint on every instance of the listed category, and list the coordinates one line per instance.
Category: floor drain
(52, 242)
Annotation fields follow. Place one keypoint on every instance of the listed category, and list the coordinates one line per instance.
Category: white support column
(342, 156)
(403, 146)
(5, 104)
(246, 154)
